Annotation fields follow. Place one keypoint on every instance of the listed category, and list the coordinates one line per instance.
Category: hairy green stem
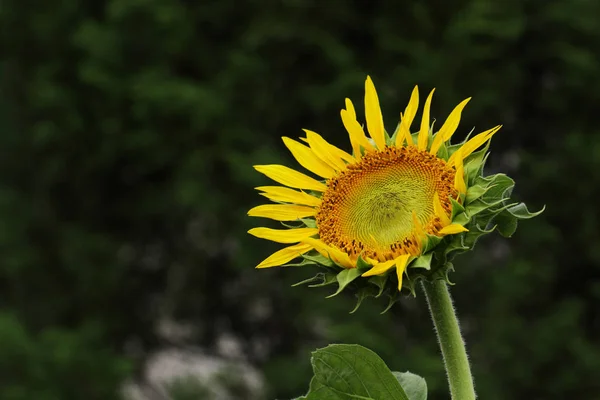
(450, 339)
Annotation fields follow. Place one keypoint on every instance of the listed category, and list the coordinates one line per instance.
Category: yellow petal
(341, 154)
(459, 177)
(350, 108)
(473, 144)
(282, 212)
(452, 229)
(380, 268)
(331, 252)
(420, 232)
(283, 235)
(408, 117)
(308, 159)
(373, 114)
(284, 255)
(356, 133)
(424, 132)
(287, 195)
(401, 262)
(449, 127)
(439, 210)
(289, 177)
(324, 151)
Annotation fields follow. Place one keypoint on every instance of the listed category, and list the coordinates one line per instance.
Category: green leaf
(474, 163)
(394, 297)
(500, 188)
(315, 278)
(423, 261)
(443, 152)
(430, 243)
(309, 222)
(344, 372)
(319, 259)
(475, 192)
(363, 293)
(379, 281)
(344, 278)
(481, 205)
(362, 265)
(302, 263)
(506, 224)
(457, 208)
(328, 279)
(461, 219)
(414, 386)
(520, 211)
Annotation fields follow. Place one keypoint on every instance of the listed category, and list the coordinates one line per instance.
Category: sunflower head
(407, 203)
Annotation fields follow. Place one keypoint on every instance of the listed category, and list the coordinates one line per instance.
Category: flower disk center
(379, 206)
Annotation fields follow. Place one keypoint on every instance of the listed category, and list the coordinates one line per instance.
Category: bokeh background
(128, 132)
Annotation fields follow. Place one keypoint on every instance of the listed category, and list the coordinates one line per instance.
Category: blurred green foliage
(129, 128)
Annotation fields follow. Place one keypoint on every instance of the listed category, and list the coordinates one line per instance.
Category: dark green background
(128, 131)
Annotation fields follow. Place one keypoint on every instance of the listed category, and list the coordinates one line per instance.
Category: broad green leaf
(480, 205)
(506, 224)
(352, 372)
(414, 386)
(344, 278)
(500, 188)
(475, 192)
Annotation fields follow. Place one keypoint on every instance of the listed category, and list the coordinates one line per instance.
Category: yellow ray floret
(287, 195)
(401, 263)
(324, 151)
(449, 127)
(459, 178)
(282, 212)
(355, 132)
(439, 210)
(331, 252)
(350, 108)
(379, 268)
(407, 118)
(284, 255)
(283, 235)
(473, 144)
(424, 131)
(452, 229)
(373, 114)
(289, 177)
(308, 159)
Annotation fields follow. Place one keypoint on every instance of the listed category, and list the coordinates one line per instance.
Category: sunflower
(389, 203)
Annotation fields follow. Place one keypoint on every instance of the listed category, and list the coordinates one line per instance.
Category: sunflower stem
(450, 339)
